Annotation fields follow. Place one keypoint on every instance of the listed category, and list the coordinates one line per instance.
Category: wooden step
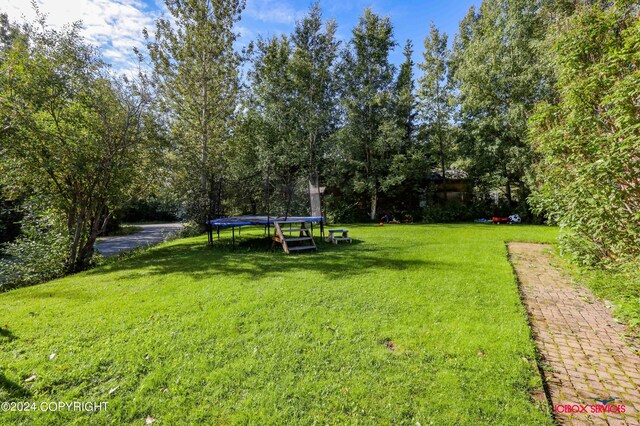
(295, 230)
(287, 239)
(298, 248)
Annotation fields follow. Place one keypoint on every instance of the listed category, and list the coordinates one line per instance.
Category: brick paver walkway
(583, 351)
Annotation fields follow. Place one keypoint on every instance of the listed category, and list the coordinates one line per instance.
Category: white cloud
(113, 25)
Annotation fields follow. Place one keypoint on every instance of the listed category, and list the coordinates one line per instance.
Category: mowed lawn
(409, 324)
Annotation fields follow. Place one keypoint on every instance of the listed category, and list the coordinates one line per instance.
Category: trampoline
(266, 221)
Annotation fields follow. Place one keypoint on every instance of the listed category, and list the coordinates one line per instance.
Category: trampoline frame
(266, 221)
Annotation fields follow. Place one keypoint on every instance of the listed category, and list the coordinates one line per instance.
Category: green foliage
(495, 66)
(272, 157)
(619, 286)
(370, 141)
(150, 209)
(405, 98)
(196, 68)
(312, 64)
(73, 134)
(10, 217)
(453, 211)
(435, 101)
(360, 333)
(38, 254)
(589, 142)
(289, 114)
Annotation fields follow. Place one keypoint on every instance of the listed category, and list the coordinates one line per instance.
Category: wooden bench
(337, 235)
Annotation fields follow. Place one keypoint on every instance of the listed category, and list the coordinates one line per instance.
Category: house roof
(450, 174)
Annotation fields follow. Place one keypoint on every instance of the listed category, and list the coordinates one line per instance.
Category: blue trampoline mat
(262, 220)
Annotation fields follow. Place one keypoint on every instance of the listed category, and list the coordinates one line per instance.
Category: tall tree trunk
(508, 192)
(75, 242)
(314, 195)
(523, 197)
(374, 204)
(204, 176)
(444, 174)
(314, 179)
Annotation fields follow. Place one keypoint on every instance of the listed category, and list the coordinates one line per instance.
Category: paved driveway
(150, 234)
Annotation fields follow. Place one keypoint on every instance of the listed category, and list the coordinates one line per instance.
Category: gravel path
(150, 234)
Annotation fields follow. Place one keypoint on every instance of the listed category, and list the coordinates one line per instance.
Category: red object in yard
(497, 220)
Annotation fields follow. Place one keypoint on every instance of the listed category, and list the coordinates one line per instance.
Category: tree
(370, 139)
(588, 140)
(269, 124)
(497, 74)
(405, 99)
(75, 138)
(434, 94)
(288, 114)
(197, 71)
(10, 214)
(312, 71)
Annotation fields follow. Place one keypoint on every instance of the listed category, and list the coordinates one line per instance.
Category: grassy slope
(621, 287)
(411, 323)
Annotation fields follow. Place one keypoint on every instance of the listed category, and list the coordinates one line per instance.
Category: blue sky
(115, 25)
(410, 18)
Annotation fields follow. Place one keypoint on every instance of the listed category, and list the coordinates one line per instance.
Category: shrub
(37, 255)
(589, 142)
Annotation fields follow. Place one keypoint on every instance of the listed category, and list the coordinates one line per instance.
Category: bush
(151, 210)
(37, 255)
(453, 211)
(588, 143)
(189, 230)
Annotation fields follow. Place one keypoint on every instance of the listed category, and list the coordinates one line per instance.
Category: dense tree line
(528, 98)
(77, 142)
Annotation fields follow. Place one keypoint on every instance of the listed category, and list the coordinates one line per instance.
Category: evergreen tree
(270, 123)
(434, 94)
(405, 99)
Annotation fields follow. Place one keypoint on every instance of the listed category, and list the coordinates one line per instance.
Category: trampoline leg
(218, 229)
(233, 236)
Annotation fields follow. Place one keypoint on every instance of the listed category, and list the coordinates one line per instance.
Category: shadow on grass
(253, 259)
(13, 390)
(6, 335)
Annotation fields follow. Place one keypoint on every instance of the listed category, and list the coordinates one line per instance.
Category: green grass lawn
(409, 324)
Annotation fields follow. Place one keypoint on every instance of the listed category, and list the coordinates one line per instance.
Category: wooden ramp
(290, 242)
